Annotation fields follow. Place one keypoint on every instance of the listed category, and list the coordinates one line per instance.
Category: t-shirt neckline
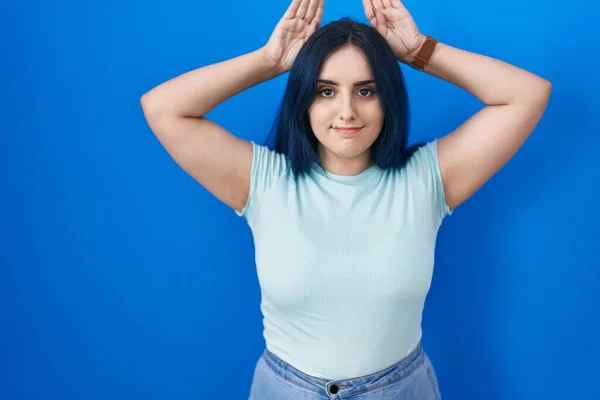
(366, 174)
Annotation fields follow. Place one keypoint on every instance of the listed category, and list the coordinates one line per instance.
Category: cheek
(320, 117)
(372, 113)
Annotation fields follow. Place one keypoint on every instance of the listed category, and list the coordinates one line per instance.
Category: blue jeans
(412, 378)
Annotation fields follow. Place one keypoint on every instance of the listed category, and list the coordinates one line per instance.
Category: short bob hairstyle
(291, 133)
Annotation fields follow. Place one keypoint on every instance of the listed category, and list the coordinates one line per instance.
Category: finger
(368, 5)
(316, 22)
(301, 13)
(387, 3)
(311, 11)
(378, 4)
(380, 22)
(319, 15)
(292, 9)
(397, 4)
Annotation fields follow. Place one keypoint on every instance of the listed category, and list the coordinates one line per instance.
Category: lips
(346, 130)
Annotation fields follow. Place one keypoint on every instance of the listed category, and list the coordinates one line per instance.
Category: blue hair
(291, 133)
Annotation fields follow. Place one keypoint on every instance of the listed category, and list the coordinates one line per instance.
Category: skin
(343, 103)
(471, 154)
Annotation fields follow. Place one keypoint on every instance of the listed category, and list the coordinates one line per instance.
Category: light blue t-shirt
(344, 263)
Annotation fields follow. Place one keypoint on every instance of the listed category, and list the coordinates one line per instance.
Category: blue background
(122, 278)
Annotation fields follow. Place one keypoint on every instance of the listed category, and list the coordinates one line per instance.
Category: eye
(327, 92)
(366, 92)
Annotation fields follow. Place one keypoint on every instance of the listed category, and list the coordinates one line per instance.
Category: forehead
(346, 64)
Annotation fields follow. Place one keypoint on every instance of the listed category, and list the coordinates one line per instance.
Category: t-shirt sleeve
(428, 169)
(268, 167)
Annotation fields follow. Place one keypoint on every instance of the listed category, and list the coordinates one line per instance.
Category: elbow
(145, 101)
(537, 93)
(149, 105)
(546, 88)
(539, 99)
(543, 90)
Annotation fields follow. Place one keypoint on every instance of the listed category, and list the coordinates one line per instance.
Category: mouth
(346, 130)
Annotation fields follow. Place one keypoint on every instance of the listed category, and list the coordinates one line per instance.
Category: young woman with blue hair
(343, 213)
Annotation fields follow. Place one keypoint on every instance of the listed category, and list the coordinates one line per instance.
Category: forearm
(195, 93)
(492, 81)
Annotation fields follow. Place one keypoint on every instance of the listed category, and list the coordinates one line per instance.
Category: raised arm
(175, 109)
(515, 101)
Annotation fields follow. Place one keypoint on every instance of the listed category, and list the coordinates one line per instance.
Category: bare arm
(193, 94)
(175, 109)
(218, 160)
(515, 101)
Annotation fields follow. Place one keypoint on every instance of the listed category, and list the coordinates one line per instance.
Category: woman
(344, 215)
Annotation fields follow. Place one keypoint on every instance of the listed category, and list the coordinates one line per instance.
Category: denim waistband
(345, 387)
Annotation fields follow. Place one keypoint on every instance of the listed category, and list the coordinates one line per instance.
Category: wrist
(421, 57)
(421, 41)
(272, 65)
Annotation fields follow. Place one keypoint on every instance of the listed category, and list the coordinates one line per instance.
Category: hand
(393, 21)
(302, 19)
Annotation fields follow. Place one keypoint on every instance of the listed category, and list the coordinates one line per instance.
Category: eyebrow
(334, 83)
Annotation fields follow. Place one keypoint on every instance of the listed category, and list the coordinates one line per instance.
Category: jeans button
(333, 389)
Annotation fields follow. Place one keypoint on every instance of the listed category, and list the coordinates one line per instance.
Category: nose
(347, 108)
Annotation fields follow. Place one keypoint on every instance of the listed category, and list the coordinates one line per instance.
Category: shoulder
(423, 167)
(268, 167)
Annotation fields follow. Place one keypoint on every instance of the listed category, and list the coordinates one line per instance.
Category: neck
(345, 166)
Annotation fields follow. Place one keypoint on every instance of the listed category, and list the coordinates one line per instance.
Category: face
(346, 96)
